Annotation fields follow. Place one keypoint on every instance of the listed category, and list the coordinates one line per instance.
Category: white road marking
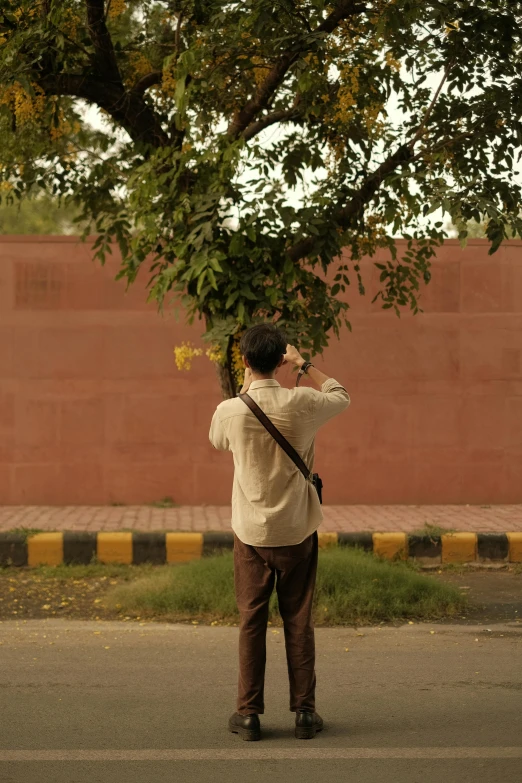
(249, 751)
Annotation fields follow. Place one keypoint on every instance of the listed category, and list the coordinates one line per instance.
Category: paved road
(109, 702)
(350, 519)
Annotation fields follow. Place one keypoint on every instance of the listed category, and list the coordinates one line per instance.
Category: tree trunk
(226, 381)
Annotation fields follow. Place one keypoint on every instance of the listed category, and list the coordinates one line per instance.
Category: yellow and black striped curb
(163, 547)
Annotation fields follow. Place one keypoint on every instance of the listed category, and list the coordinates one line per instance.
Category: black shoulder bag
(285, 445)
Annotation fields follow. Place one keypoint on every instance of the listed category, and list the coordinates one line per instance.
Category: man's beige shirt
(272, 503)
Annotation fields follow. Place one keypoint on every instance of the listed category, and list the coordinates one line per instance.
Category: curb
(164, 547)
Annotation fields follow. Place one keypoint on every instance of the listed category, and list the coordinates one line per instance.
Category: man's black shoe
(307, 724)
(247, 726)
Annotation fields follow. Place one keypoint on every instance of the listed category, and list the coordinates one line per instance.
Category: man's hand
(292, 356)
(246, 381)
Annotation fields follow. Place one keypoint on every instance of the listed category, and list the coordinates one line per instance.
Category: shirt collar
(264, 382)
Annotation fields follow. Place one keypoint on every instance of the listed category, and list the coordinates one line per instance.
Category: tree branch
(126, 107)
(284, 115)
(404, 154)
(343, 215)
(177, 35)
(149, 80)
(275, 78)
(100, 36)
(443, 145)
(427, 114)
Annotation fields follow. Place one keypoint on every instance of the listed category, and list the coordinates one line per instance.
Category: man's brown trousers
(293, 571)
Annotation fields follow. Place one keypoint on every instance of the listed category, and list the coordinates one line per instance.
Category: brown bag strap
(274, 432)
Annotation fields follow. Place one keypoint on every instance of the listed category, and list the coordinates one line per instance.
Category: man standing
(275, 516)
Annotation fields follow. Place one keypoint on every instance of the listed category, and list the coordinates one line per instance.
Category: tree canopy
(245, 144)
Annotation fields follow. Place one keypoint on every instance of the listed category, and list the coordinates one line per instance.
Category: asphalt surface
(106, 702)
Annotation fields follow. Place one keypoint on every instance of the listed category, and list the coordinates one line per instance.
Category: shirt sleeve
(330, 401)
(217, 435)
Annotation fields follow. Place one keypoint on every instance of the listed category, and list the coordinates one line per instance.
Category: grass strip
(353, 587)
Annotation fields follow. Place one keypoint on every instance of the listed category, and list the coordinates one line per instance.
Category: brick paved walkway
(486, 519)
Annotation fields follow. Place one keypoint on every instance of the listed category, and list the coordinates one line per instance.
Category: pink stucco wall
(93, 409)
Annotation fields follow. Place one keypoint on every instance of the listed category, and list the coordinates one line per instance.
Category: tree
(40, 214)
(380, 113)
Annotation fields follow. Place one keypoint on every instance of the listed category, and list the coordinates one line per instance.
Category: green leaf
(201, 280)
(179, 94)
(231, 299)
(214, 263)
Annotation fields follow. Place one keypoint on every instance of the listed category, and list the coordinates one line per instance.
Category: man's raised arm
(334, 398)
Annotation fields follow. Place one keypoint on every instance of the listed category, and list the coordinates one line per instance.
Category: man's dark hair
(263, 345)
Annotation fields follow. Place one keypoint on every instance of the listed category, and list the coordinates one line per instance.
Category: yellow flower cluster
(451, 27)
(347, 92)
(116, 8)
(215, 354)
(370, 116)
(391, 62)
(337, 149)
(238, 368)
(184, 354)
(168, 80)
(25, 107)
(374, 234)
(27, 13)
(261, 70)
(139, 65)
(64, 127)
(349, 35)
(70, 23)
